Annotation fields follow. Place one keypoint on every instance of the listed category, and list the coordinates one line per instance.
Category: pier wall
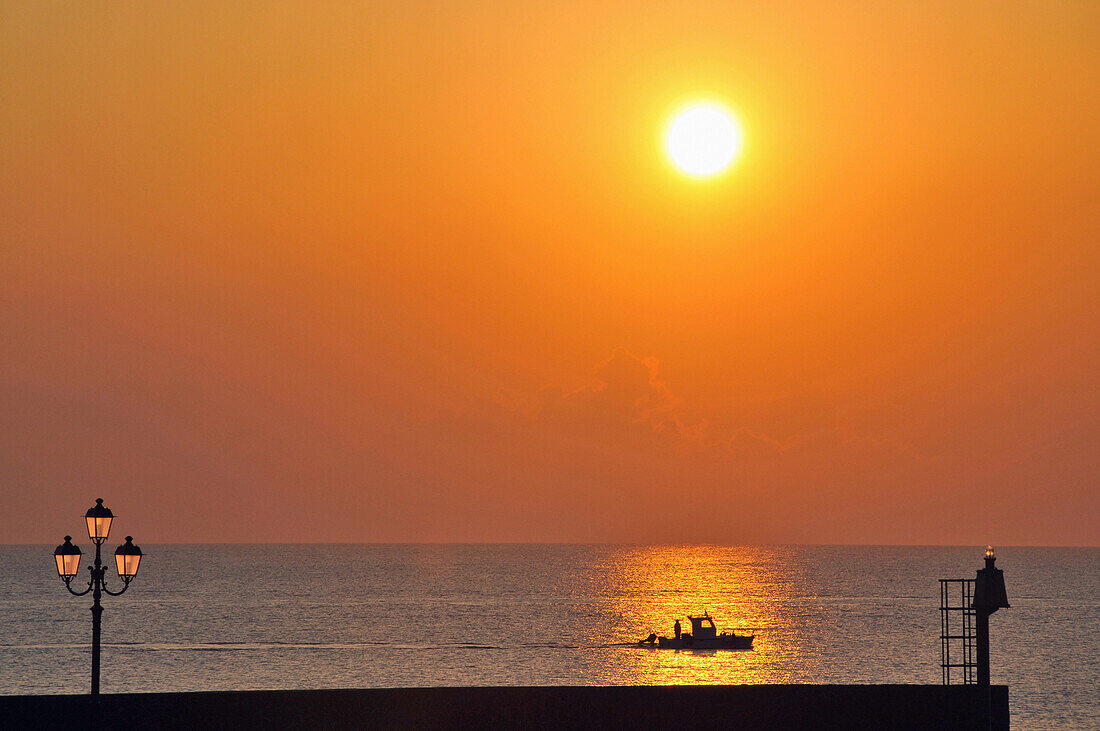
(849, 707)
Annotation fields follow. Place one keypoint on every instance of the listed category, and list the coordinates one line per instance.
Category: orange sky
(414, 271)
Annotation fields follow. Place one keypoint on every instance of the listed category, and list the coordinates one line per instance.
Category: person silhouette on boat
(676, 629)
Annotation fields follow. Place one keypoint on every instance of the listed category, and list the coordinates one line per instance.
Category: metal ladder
(958, 643)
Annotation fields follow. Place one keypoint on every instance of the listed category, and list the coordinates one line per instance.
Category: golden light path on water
(741, 588)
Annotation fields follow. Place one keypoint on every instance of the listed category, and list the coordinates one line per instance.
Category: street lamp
(127, 558)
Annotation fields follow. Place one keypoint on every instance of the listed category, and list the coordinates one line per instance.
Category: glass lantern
(127, 558)
(99, 519)
(67, 557)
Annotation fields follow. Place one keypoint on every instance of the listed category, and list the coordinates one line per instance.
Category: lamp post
(989, 596)
(127, 557)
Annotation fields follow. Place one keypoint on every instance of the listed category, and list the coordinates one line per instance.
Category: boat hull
(726, 642)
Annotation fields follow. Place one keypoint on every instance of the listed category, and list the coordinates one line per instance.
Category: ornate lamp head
(127, 558)
(67, 557)
(99, 519)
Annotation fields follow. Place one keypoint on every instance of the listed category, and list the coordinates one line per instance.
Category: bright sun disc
(703, 139)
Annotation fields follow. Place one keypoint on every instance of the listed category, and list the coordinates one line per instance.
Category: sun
(703, 139)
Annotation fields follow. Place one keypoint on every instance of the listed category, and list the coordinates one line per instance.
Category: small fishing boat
(703, 636)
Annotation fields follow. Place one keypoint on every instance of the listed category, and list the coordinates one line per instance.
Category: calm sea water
(221, 617)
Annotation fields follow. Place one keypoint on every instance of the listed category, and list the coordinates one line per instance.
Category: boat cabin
(702, 628)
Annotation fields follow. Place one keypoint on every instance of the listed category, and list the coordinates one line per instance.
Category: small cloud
(629, 392)
(629, 400)
(747, 441)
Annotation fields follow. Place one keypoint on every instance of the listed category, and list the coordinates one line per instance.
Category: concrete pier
(848, 707)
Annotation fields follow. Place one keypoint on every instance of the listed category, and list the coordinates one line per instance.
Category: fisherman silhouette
(676, 629)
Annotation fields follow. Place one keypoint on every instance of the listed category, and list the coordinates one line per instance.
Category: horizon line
(589, 543)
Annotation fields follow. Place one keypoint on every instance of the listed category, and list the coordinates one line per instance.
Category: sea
(251, 616)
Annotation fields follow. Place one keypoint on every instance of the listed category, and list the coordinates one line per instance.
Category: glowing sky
(412, 271)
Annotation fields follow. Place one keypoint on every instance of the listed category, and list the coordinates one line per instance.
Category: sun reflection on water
(741, 587)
